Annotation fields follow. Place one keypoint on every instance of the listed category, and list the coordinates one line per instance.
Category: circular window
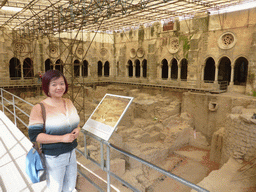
(140, 52)
(19, 47)
(103, 52)
(227, 40)
(80, 51)
(173, 47)
(53, 49)
(132, 53)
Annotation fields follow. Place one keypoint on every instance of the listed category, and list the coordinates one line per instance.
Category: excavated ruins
(164, 127)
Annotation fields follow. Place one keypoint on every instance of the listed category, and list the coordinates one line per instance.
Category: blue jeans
(61, 172)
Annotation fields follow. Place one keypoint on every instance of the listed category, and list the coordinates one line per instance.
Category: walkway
(14, 146)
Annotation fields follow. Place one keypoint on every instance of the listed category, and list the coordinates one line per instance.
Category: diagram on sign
(105, 118)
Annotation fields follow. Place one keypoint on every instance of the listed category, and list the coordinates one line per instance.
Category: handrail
(104, 164)
(106, 167)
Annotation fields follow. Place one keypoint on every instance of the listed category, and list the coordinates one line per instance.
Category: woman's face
(57, 87)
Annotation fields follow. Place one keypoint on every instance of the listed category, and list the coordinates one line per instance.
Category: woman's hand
(68, 138)
(75, 132)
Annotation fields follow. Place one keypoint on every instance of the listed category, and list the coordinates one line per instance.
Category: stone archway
(85, 68)
(144, 68)
(15, 68)
(164, 69)
(224, 69)
(100, 69)
(184, 69)
(28, 69)
(209, 70)
(106, 69)
(59, 65)
(48, 65)
(130, 68)
(241, 71)
(174, 69)
(137, 68)
(76, 68)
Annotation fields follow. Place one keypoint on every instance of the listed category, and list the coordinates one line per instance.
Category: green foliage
(186, 44)
(254, 93)
(251, 78)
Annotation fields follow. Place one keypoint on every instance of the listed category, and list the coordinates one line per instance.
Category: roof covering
(53, 16)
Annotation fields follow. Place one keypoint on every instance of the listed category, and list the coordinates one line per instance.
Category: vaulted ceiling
(53, 16)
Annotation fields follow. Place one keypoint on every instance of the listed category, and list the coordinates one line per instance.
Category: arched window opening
(224, 69)
(174, 69)
(241, 70)
(184, 69)
(137, 68)
(130, 68)
(106, 69)
(59, 65)
(209, 70)
(15, 68)
(28, 70)
(164, 69)
(144, 68)
(85, 69)
(117, 68)
(76, 68)
(48, 65)
(99, 69)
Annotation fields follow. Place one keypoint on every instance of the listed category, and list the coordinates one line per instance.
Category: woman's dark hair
(52, 75)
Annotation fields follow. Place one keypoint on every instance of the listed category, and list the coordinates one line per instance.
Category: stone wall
(195, 40)
(240, 136)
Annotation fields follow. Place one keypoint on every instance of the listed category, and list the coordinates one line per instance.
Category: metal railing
(9, 99)
(104, 164)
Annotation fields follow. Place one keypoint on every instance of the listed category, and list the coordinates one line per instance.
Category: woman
(61, 131)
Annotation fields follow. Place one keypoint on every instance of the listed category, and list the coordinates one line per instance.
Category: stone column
(216, 73)
(202, 73)
(134, 68)
(232, 75)
(169, 71)
(179, 72)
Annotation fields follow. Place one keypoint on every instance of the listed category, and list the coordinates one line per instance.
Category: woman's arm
(46, 138)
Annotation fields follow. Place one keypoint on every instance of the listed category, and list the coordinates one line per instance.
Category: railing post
(102, 156)
(85, 147)
(14, 111)
(108, 169)
(2, 96)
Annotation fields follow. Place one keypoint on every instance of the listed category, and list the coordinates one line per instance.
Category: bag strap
(44, 115)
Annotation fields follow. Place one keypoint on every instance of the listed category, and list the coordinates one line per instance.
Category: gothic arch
(174, 69)
(164, 69)
(137, 68)
(59, 65)
(28, 69)
(48, 65)
(106, 69)
(240, 71)
(130, 68)
(85, 68)
(76, 68)
(209, 69)
(15, 68)
(100, 69)
(224, 69)
(184, 69)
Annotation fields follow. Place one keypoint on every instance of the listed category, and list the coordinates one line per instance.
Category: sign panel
(105, 118)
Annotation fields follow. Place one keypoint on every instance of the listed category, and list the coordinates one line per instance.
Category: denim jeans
(61, 172)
